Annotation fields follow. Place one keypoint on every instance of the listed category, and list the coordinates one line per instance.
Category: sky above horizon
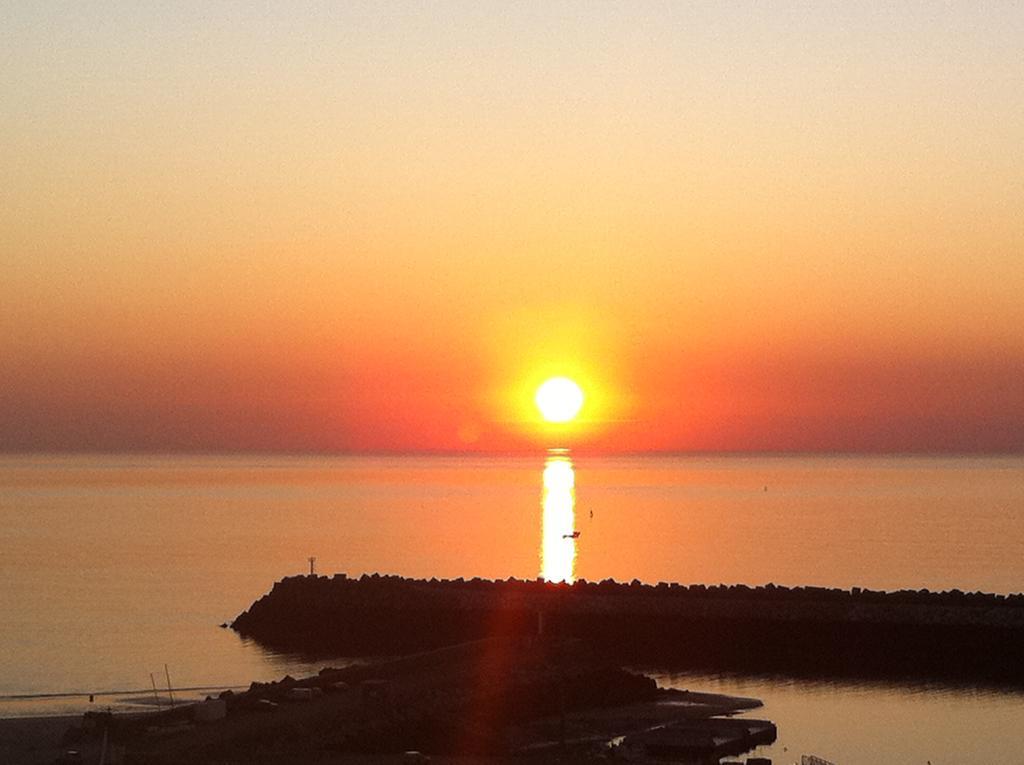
(374, 226)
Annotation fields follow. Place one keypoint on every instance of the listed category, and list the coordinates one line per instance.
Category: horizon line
(980, 453)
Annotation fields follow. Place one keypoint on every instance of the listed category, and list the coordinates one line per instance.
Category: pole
(156, 698)
(169, 691)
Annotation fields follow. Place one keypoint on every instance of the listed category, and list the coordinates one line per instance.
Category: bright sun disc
(559, 399)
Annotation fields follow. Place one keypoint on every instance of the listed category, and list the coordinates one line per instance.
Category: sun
(559, 399)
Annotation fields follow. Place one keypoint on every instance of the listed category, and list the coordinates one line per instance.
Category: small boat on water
(573, 535)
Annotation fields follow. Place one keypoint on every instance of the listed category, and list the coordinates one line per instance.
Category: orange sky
(378, 228)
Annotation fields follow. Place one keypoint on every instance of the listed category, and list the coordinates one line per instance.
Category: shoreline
(120, 702)
(481, 700)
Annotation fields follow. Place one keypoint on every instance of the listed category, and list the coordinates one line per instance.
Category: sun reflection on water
(558, 546)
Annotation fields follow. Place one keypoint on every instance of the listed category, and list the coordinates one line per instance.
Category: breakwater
(971, 637)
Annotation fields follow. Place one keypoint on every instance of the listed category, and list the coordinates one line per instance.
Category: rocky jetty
(972, 637)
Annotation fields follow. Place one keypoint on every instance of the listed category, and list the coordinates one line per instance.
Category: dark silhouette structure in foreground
(809, 631)
(545, 700)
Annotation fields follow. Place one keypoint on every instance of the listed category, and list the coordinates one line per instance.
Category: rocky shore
(972, 637)
(488, 701)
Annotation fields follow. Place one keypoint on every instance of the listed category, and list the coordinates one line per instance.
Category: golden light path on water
(558, 503)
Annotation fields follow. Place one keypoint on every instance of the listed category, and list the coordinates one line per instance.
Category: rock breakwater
(973, 637)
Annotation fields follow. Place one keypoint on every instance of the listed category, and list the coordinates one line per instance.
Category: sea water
(114, 567)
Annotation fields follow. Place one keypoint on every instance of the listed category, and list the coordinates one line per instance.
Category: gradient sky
(377, 226)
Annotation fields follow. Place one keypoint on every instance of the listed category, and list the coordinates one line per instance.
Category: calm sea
(114, 566)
